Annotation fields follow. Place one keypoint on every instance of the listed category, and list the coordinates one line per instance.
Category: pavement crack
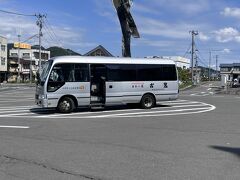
(11, 158)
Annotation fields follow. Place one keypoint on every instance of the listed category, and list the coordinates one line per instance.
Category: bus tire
(148, 101)
(66, 105)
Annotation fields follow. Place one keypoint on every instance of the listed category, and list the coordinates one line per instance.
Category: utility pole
(216, 65)
(209, 66)
(40, 25)
(197, 73)
(193, 33)
(30, 78)
(18, 78)
(0, 58)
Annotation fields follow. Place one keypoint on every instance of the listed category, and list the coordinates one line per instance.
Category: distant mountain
(37, 47)
(58, 51)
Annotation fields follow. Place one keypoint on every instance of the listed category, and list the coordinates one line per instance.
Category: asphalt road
(196, 137)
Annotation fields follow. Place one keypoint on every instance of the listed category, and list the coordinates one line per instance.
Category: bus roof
(109, 60)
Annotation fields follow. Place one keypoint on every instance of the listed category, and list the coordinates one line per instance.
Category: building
(29, 61)
(230, 74)
(99, 51)
(3, 59)
(181, 62)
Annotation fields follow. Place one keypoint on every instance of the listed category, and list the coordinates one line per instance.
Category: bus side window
(81, 73)
(56, 75)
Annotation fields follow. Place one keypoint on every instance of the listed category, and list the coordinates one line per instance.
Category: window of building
(3, 48)
(36, 55)
(14, 55)
(236, 69)
(26, 55)
(3, 61)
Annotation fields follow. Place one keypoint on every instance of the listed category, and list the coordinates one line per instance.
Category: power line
(49, 27)
(52, 35)
(15, 13)
(48, 33)
(201, 56)
(188, 50)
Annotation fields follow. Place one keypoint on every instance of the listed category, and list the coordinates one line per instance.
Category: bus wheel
(148, 101)
(66, 105)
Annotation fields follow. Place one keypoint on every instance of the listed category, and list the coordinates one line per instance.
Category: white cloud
(227, 34)
(179, 30)
(231, 12)
(227, 51)
(203, 36)
(57, 35)
(153, 43)
(184, 6)
(144, 9)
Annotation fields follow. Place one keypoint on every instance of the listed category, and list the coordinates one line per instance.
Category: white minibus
(68, 82)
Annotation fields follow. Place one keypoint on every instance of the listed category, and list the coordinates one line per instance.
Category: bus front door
(98, 84)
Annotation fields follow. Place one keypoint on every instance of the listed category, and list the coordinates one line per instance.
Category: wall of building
(181, 62)
(230, 74)
(3, 58)
(29, 61)
(3, 54)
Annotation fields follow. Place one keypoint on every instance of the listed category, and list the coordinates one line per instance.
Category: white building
(181, 62)
(30, 54)
(3, 59)
(29, 61)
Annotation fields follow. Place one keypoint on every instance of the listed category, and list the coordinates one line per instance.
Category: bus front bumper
(41, 101)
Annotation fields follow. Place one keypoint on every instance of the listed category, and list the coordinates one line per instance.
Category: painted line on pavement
(109, 111)
(159, 111)
(15, 127)
(151, 112)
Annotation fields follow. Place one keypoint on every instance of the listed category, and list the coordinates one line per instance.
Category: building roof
(230, 65)
(101, 48)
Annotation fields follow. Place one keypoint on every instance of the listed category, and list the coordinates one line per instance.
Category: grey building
(3, 59)
(29, 61)
(230, 74)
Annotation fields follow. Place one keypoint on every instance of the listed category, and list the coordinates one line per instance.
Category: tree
(184, 75)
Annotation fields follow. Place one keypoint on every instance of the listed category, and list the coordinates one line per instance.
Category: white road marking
(150, 112)
(10, 101)
(191, 102)
(122, 110)
(173, 108)
(15, 127)
(201, 94)
(15, 108)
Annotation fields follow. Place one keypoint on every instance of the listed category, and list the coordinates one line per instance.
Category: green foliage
(58, 51)
(184, 75)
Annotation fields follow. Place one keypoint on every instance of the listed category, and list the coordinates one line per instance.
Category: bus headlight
(43, 97)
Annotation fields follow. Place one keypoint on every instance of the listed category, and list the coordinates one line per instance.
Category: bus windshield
(45, 70)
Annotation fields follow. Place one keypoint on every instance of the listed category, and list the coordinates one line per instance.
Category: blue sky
(164, 26)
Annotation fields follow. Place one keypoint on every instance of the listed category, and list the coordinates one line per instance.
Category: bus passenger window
(56, 75)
